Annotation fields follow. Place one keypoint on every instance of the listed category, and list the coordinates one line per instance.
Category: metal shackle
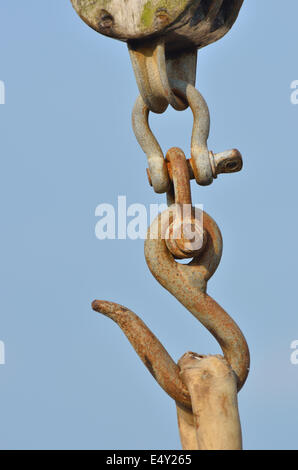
(205, 166)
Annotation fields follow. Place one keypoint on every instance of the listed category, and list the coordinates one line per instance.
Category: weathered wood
(129, 19)
(184, 23)
(187, 429)
(213, 389)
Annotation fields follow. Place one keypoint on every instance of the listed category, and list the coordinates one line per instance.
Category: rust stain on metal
(188, 283)
(204, 166)
(163, 38)
(185, 237)
(148, 347)
(149, 366)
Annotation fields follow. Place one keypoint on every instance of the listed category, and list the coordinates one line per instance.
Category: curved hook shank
(149, 349)
(188, 284)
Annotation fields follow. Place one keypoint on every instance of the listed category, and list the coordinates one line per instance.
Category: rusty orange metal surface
(185, 236)
(149, 349)
(163, 42)
(204, 166)
(188, 283)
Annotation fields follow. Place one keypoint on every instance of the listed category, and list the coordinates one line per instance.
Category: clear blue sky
(71, 379)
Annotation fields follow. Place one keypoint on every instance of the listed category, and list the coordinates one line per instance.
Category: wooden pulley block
(184, 24)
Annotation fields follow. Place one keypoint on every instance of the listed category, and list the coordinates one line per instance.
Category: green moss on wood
(152, 6)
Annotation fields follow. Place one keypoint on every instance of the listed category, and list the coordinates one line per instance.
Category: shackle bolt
(229, 161)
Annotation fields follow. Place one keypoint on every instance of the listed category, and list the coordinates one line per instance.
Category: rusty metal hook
(149, 349)
(188, 283)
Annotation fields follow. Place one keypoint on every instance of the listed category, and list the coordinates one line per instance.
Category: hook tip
(110, 309)
(101, 306)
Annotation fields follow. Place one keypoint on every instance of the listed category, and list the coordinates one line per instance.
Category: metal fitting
(204, 165)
